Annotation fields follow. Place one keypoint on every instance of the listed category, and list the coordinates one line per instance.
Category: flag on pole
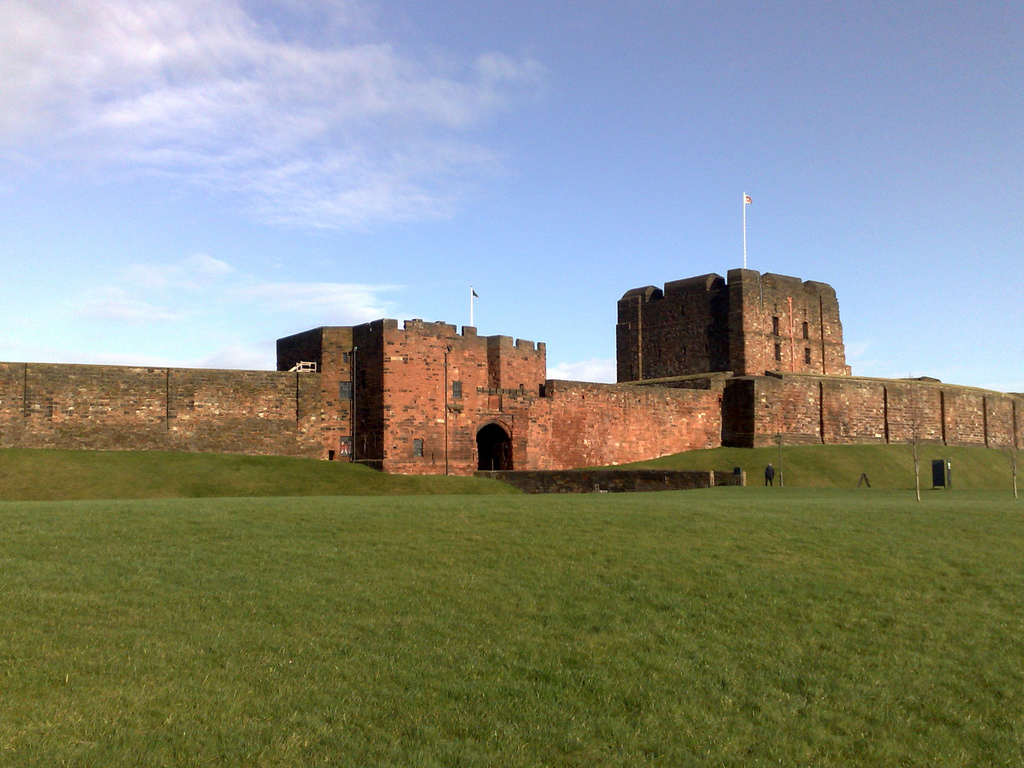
(747, 199)
(475, 294)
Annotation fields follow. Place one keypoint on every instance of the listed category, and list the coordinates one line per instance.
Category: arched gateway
(494, 447)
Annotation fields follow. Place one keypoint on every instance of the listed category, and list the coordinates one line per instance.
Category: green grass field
(841, 466)
(40, 475)
(726, 627)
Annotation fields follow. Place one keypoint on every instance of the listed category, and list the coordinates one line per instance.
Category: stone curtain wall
(416, 399)
(582, 425)
(99, 407)
(835, 410)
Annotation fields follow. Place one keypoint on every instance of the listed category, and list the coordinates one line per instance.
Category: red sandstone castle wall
(749, 325)
(419, 374)
(676, 332)
(422, 394)
(1002, 424)
(420, 391)
(834, 410)
(438, 388)
(120, 408)
(581, 425)
(782, 324)
(331, 349)
(368, 391)
(515, 364)
(335, 374)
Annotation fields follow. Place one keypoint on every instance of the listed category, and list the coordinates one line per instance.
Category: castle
(705, 362)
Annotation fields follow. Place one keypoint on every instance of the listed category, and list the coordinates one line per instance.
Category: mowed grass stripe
(721, 627)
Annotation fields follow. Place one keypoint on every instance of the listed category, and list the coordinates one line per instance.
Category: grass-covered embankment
(841, 466)
(61, 475)
(65, 475)
(726, 627)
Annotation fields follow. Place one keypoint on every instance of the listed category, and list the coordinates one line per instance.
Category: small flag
(747, 200)
(475, 294)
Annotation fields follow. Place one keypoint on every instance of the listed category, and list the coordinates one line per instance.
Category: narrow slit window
(417, 447)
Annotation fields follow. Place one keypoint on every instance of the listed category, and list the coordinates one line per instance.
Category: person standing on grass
(769, 474)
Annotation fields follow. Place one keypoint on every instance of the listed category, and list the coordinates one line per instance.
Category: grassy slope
(59, 475)
(840, 466)
(56, 475)
(727, 627)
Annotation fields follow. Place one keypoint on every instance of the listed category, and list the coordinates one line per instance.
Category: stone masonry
(749, 325)
(703, 362)
(100, 407)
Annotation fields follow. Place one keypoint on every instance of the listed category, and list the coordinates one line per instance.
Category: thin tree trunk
(917, 472)
(1013, 467)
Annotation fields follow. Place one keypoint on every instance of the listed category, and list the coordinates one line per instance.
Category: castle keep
(747, 326)
(701, 363)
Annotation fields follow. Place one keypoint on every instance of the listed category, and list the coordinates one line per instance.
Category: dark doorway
(494, 447)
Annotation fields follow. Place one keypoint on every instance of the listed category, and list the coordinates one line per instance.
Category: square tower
(748, 325)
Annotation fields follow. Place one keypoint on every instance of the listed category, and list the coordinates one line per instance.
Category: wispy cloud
(116, 304)
(595, 370)
(193, 273)
(199, 285)
(241, 356)
(345, 302)
(302, 110)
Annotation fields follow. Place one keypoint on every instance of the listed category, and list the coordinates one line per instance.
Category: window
(417, 447)
(807, 334)
(456, 390)
(807, 355)
(345, 446)
(778, 352)
(775, 325)
(345, 390)
(344, 357)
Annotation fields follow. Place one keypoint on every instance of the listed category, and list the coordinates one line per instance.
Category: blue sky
(183, 182)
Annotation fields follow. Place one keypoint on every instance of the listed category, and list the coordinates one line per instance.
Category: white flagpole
(744, 230)
(746, 201)
(472, 293)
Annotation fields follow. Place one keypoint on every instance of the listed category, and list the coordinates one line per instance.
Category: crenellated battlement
(747, 325)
